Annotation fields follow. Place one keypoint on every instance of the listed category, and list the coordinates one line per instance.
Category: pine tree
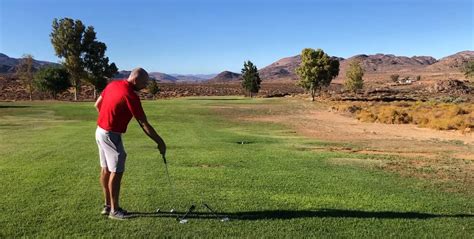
(96, 63)
(250, 78)
(153, 87)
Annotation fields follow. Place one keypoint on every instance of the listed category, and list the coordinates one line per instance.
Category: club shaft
(189, 211)
(212, 211)
(172, 189)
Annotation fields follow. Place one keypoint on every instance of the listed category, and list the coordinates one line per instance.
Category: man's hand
(162, 148)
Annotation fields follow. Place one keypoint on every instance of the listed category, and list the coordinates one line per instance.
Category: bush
(442, 116)
(394, 77)
(53, 80)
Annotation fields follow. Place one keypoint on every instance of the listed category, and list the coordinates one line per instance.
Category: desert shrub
(393, 115)
(447, 123)
(394, 77)
(452, 99)
(444, 116)
(354, 109)
(366, 116)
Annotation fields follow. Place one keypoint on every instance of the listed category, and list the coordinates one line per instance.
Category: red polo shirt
(119, 104)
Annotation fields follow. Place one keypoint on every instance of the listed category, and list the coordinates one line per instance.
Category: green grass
(270, 187)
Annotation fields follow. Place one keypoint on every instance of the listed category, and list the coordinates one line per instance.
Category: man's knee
(104, 171)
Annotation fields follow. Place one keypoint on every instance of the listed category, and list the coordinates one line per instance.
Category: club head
(184, 221)
(225, 219)
(172, 210)
(158, 210)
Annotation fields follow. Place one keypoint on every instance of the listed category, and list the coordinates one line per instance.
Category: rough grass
(268, 187)
(441, 116)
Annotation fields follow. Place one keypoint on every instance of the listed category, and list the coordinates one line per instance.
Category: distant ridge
(225, 76)
(374, 64)
(284, 69)
(8, 64)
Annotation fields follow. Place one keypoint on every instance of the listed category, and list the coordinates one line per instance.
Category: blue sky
(210, 36)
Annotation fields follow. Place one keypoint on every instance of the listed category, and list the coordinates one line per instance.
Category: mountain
(281, 69)
(8, 64)
(389, 62)
(452, 62)
(225, 76)
(161, 77)
(121, 75)
(187, 78)
(193, 77)
(377, 64)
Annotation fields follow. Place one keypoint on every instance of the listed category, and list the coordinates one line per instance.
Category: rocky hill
(452, 62)
(281, 69)
(193, 77)
(390, 63)
(376, 65)
(161, 77)
(8, 64)
(225, 76)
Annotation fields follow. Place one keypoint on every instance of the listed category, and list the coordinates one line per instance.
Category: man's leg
(104, 182)
(114, 189)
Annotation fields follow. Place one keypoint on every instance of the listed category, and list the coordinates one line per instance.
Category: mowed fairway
(49, 172)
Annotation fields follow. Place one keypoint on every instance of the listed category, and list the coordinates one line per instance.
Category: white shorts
(111, 151)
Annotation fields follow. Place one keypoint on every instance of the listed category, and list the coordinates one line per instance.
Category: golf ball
(172, 210)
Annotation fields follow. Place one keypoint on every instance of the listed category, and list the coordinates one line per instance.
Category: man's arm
(98, 103)
(150, 131)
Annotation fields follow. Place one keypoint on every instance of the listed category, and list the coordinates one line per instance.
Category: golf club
(171, 185)
(183, 219)
(222, 219)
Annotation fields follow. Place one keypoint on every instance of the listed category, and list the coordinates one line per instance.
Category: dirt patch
(357, 162)
(377, 152)
(337, 127)
(210, 166)
(412, 151)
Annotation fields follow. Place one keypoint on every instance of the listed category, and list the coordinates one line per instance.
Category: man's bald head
(138, 78)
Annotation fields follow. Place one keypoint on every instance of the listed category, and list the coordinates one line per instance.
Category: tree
(394, 78)
(316, 70)
(67, 37)
(84, 56)
(153, 87)
(468, 70)
(25, 71)
(53, 80)
(354, 76)
(96, 63)
(250, 78)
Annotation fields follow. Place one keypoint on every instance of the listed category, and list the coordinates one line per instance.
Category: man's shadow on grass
(13, 106)
(288, 214)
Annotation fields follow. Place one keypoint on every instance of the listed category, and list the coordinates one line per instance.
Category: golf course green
(267, 185)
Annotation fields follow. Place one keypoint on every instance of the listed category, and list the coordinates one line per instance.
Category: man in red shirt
(117, 104)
